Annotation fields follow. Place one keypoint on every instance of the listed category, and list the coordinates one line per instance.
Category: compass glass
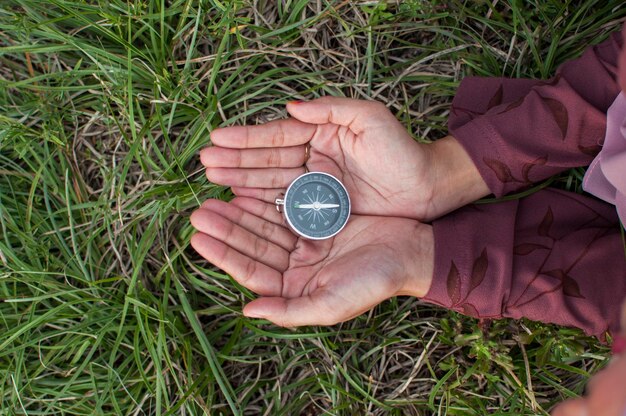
(317, 205)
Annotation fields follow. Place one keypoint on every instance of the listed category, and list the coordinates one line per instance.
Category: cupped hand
(360, 142)
(305, 282)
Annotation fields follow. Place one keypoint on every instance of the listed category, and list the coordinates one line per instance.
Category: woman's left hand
(306, 282)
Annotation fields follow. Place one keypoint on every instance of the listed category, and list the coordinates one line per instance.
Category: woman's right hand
(385, 171)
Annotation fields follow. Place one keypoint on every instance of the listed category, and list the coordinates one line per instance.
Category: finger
(262, 194)
(355, 114)
(254, 178)
(281, 157)
(250, 273)
(305, 310)
(260, 209)
(267, 230)
(278, 133)
(242, 240)
(318, 308)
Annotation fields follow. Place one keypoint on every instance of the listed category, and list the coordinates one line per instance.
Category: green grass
(105, 308)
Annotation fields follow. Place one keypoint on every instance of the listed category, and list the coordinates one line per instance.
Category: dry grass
(103, 108)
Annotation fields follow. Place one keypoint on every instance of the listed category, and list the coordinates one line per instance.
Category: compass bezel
(287, 210)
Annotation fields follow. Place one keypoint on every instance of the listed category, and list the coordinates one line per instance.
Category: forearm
(553, 256)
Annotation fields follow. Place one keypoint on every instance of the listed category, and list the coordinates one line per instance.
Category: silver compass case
(316, 205)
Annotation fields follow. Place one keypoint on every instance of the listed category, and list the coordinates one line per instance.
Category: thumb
(305, 310)
(619, 339)
(571, 407)
(355, 114)
(623, 318)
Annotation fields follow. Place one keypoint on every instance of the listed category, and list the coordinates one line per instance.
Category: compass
(316, 205)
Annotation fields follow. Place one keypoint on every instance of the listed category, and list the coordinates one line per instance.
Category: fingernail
(619, 344)
(295, 102)
(252, 315)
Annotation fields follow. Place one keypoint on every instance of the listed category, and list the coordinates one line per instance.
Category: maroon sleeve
(522, 131)
(553, 256)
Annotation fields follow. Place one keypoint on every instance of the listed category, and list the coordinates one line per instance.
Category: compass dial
(317, 205)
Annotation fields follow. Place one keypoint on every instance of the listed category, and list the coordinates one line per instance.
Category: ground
(104, 306)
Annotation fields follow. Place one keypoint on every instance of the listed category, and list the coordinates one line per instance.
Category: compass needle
(319, 206)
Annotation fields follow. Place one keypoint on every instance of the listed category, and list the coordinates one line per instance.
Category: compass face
(317, 205)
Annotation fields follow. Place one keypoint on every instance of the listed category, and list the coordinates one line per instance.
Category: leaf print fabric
(520, 131)
(553, 256)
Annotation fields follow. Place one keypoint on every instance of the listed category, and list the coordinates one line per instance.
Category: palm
(381, 179)
(385, 171)
(303, 281)
(345, 276)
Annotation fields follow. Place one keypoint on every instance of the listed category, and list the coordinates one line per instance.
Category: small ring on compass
(307, 153)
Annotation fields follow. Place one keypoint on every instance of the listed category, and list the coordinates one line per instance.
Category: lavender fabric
(553, 256)
(606, 176)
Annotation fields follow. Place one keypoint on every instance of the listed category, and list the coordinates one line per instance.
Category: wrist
(419, 262)
(456, 180)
